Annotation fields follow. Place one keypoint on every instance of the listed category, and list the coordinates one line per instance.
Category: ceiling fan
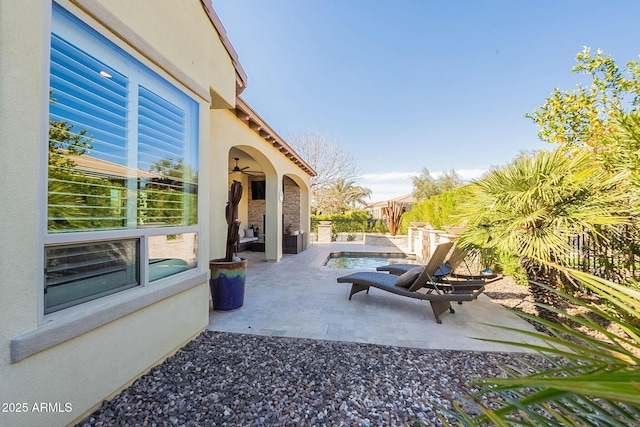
(243, 170)
(237, 168)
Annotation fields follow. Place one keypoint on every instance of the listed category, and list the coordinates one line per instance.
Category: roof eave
(253, 120)
(241, 75)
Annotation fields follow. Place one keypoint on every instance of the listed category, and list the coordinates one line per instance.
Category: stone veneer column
(291, 204)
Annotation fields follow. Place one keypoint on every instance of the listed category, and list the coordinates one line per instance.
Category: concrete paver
(299, 297)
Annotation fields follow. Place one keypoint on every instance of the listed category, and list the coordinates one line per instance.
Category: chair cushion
(406, 279)
(443, 270)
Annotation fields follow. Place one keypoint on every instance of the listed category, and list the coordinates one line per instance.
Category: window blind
(161, 150)
(88, 146)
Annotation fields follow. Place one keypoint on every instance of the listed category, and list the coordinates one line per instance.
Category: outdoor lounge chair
(446, 271)
(418, 283)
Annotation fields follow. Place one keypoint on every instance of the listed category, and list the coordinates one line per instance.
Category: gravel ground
(508, 293)
(222, 379)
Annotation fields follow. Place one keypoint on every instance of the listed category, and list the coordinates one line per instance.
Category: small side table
(258, 246)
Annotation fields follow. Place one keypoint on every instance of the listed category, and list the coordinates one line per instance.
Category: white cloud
(389, 176)
(389, 185)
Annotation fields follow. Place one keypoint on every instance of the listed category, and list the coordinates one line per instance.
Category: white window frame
(118, 61)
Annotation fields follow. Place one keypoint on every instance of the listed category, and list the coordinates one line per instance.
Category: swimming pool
(364, 260)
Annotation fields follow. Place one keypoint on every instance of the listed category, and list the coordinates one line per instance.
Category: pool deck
(299, 297)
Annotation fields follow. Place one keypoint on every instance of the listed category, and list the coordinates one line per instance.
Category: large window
(122, 167)
(81, 272)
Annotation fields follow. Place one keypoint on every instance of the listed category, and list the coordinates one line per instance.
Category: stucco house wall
(74, 358)
(228, 131)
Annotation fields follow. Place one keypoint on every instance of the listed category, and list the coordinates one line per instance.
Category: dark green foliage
(64, 143)
(174, 169)
(438, 210)
(167, 206)
(356, 222)
(77, 202)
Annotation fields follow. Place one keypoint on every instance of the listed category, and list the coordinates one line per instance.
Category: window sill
(73, 322)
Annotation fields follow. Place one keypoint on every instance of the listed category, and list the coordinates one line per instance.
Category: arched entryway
(260, 209)
(274, 210)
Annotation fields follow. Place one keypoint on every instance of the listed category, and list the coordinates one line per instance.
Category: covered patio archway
(274, 210)
(272, 173)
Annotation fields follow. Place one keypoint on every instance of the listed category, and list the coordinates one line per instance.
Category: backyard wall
(399, 242)
(423, 239)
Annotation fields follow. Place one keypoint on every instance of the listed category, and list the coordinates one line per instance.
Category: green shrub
(439, 210)
(356, 222)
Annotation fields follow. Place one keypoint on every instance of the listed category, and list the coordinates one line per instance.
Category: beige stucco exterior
(75, 358)
(228, 131)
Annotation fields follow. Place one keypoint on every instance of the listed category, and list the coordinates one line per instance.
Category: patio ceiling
(253, 168)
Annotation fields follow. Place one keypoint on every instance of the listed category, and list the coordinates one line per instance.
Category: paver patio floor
(299, 297)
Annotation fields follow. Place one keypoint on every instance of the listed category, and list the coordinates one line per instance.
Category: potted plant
(228, 273)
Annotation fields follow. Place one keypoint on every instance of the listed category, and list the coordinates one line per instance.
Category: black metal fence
(618, 260)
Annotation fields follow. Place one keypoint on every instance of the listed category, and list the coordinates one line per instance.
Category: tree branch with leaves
(335, 166)
(425, 186)
(65, 143)
(581, 117)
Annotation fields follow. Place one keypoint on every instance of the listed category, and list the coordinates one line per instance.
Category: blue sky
(412, 84)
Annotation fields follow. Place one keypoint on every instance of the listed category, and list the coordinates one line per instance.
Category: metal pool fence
(618, 260)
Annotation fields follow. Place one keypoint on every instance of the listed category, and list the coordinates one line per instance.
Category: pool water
(363, 260)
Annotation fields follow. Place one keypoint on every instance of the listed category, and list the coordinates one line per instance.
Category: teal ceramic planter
(227, 283)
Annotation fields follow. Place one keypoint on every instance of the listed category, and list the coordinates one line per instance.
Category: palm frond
(593, 382)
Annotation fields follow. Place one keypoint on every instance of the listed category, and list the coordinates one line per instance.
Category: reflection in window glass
(81, 272)
(122, 140)
(171, 254)
(87, 119)
(169, 197)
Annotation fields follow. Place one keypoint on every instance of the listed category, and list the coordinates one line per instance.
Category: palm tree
(346, 195)
(531, 207)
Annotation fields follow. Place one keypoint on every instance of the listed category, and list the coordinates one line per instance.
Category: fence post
(324, 232)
